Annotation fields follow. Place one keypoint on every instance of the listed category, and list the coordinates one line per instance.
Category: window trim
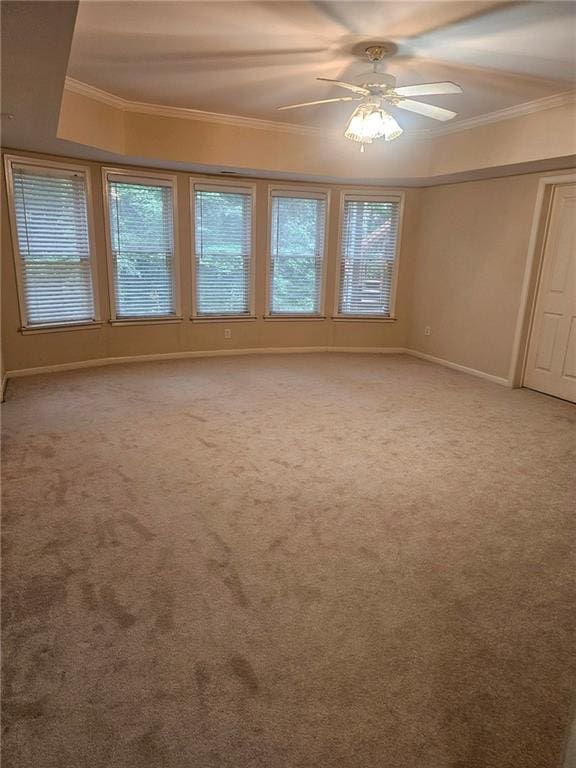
(364, 194)
(229, 185)
(25, 327)
(54, 327)
(298, 191)
(134, 177)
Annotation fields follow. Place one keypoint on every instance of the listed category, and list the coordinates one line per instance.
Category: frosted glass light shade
(370, 122)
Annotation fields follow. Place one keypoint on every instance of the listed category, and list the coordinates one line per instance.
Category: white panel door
(551, 361)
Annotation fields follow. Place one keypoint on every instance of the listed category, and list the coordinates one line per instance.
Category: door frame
(532, 270)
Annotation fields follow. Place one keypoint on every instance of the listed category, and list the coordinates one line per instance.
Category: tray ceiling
(248, 58)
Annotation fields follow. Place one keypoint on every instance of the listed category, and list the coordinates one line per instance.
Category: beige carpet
(312, 561)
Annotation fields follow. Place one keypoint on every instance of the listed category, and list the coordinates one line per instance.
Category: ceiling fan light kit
(370, 121)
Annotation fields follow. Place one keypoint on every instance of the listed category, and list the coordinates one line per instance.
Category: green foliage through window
(368, 252)
(297, 251)
(223, 245)
(141, 230)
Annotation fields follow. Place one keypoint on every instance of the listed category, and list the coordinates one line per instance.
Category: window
(368, 255)
(52, 243)
(223, 249)
(141, 240)
(297, 236)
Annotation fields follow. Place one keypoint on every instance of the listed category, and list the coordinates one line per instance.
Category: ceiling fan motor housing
(376, 53)
(379, 79)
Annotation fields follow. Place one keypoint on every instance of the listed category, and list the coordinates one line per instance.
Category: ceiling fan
(370, 121)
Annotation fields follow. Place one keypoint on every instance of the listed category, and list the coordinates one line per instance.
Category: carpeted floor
(301, 561)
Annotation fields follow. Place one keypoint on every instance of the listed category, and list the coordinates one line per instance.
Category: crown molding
(518, 110)
(160, 110)
(104, 97)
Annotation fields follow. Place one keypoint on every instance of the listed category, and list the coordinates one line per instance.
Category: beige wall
(469, 268)
(527, 138)
(100, 125)
(462, 262)
(56, 347)
(177, 139)
(543, 135)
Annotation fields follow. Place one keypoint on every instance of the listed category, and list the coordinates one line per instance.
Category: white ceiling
(247, 58)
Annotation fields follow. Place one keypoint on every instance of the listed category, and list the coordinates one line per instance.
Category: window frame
(232, 186)
(298, 192)
(11, 161)
(135, 177)
(382, 196)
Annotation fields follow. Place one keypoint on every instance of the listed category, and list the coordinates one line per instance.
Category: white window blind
(53, 245)
(142, 245)
(223, 249)
(368, 253)
(298, 223)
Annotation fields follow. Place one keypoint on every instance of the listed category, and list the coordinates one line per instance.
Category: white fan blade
(350, 86)
(428, 110)
(321, 101)
(428, 89)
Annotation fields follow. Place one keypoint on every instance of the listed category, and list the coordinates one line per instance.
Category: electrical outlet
(427, 331)
(227, 333)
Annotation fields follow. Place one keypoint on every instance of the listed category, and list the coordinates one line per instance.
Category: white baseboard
(99, 362)
(369, 350)
(462, 368)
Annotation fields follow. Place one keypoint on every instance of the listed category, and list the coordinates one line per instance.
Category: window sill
(31, 330)
(222, 318)
(147, 321)
(294, 318)
(363, 319)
